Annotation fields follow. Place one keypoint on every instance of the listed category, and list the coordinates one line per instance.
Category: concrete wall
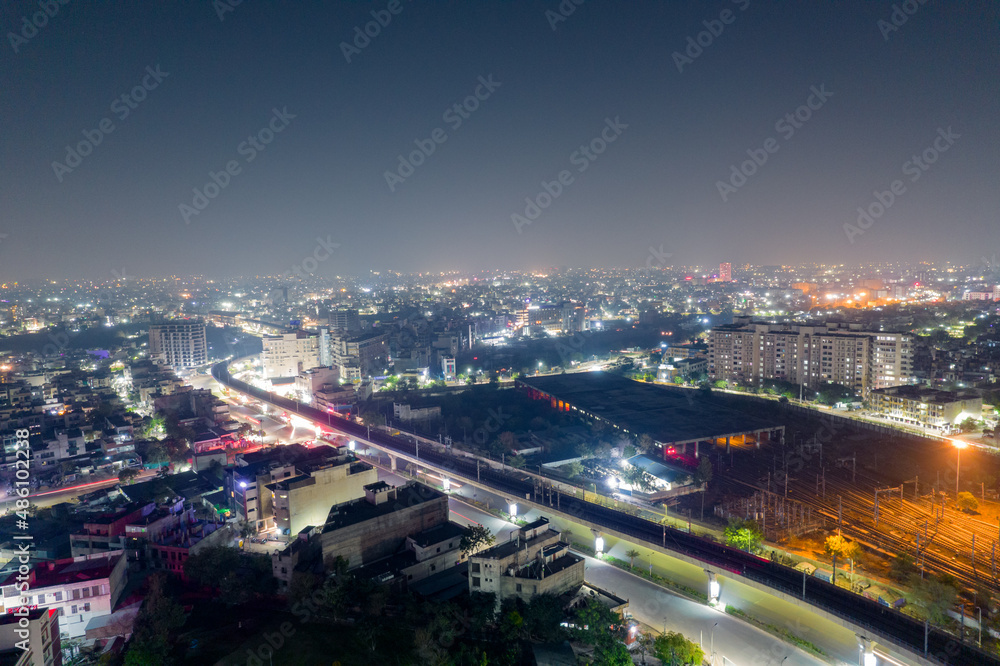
(384, 535)
(309, 503)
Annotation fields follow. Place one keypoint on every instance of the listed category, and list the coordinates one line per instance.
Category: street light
(712, 655)
(959, 445)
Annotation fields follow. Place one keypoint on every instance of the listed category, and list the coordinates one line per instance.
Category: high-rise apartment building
(179, 345)
(725, 272)
(344, 320)
(360, 356)
(813, 355)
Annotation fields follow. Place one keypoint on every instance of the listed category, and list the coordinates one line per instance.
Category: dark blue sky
(656, 183)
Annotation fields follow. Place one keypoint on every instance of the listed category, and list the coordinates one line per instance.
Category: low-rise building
(80, 588)
(535, 561)
(378, 526)
(926, 407)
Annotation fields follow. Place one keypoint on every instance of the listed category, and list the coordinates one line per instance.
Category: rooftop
(74, 570)
(667, 414)
(925, 394)
(438, 534)
(361, 510)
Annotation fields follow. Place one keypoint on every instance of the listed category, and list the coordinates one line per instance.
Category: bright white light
(870, 659)
(243, 484)
(512, 509)
(613, 482)
(599, 545)
(713, 589)
(446, 484)
(351, 444)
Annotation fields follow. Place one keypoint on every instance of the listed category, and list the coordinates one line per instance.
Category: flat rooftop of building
(438, 534)
(77, 570)
(508, 548)
(539, 570)
(665, 414)
(926, 394)
(361, 510)
(658, 469)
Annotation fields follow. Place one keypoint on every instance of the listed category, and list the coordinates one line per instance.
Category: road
(887, 623)
(739, 641)
(47, 498)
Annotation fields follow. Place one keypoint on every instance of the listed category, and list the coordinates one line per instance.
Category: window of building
(475, 581)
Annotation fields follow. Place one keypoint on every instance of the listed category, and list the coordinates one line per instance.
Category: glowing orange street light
(959, 445)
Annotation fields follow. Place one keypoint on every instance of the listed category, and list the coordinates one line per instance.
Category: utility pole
(840, 511)
(876, 507)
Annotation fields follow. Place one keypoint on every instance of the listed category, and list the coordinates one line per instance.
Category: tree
(476, 538)
(494, 381)
(127, 475)
(969, 425)
(674, 649)
(517, 462)
(645, 644)
(743, 534)
(158, 618)
(573, 469)
(612, 654)
(836, 545)
(543, 617)
(373, 418)
(831, 394)
(901, 567)
(936, 596)
(631, 555)
(645, 443)
(704, 471)
(507, 440)
(967, 502)
(596, 624)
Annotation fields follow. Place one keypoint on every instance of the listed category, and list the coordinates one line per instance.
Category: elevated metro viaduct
(901, 636)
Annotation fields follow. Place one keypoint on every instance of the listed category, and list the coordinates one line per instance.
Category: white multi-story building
(81, 588)
(813, 355)
(289, 354)
(178, 344)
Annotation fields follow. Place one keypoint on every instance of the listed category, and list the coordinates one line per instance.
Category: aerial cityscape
(500, 334)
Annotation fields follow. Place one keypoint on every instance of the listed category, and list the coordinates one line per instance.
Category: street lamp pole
(713, 643)
(958, 459)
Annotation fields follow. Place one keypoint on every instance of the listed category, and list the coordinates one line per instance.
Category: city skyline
(736, 132)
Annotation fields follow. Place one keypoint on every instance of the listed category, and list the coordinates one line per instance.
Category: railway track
(888, 624)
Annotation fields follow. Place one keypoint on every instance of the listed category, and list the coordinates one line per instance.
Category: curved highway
(887, 623)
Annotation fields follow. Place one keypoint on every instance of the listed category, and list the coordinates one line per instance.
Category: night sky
(673, 128)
